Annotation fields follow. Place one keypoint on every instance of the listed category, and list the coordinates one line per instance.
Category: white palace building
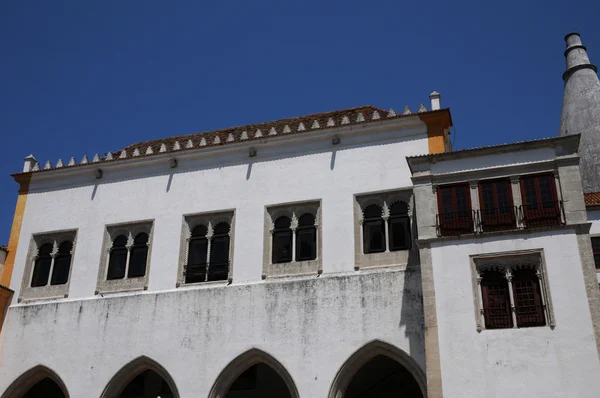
(347, 254)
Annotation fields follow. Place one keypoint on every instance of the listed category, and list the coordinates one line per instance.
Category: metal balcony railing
(500, 219)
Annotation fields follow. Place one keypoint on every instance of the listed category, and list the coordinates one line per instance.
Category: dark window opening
(373, 230)
(496, 301)
(528, 298)
(399, 226)
(117, 262)
(306, 238)
(596, 251)
(282, 241)
(45, 388)
(41, 268)
(454, 205)
(218, 269)
(147, 384)
(260, 380)
(62, 264)
(245, 381)
(139, 256)
(195, 270)
(540, 203)
(497, 210)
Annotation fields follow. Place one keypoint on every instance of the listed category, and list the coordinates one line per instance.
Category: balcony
(500, 219)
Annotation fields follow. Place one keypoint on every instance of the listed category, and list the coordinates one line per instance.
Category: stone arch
(243, 362)
(365, 354)
(134, 368)
(30, 378)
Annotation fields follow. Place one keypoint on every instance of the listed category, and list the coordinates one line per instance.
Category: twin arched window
(379, 236)
(305, 240)
(52, 265)
(128, 260)
(208, 254)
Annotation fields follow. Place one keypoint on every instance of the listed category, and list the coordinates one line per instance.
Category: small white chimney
(435, 100)
(29, 163)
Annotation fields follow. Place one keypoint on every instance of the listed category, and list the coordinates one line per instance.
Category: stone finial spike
(72, 162)
(176, 146)
(108, 156)
(59, 164)
(48, 165)
(36, 167)
(286, 129)
(345, 120)
(244, 135)
(406, 110)
(163, 148)
(96, 158)
(272, 131)
(391, 113)
(217, 140)
(301, 127)
(149, 151)
(136, 152)
(123, 154)
(230, 137)
(422, 108)
(84, 160)
(189, 144)
(375, 116)
(360, 117)
(315, 125)
(202, 141)
(28, 163)
(258, 134)
(330, 122)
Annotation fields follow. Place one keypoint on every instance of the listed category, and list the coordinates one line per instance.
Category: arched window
(282, 240)
(62, 264)
(197, 255)
(496, 300)
(43, 264)
(373, 230)
(218, 267)
(399, 227)
(139, 256)
(118, 258)
(306, 238)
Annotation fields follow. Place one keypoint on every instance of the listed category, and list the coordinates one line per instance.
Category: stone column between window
(129, 246)
(475, 205)
(509, 278)
(515, 186)
(558, 194)
(386, 228)
(209, 236)
(294, 228)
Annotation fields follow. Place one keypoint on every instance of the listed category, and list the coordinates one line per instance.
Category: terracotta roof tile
(592, 198)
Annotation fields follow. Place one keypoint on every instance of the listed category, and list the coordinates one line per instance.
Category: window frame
(210, 220)
(130, 230)
(498, 221)
(390, 257)
(47, 291)
(541, 215)
(294, 211)
(596, 238)
(509, 263)
(446, 224)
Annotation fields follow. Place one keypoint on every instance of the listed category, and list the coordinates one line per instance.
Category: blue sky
(84, 77)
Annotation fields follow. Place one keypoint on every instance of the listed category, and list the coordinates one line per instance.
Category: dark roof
(592, 198)
(232, 135)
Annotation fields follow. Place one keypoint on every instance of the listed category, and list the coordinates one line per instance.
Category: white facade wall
(311, 325)
(528, 362)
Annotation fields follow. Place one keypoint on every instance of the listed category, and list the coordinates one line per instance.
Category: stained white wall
(310, 325)
(528, 362)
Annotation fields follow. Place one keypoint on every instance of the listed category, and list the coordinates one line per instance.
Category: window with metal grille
(306, 238)
(496, 300)
(497, 211)
(117, 262)
(373, 230)
(529, 310)
(399, 227)
(454, 206)
(282, 240)
(130, 261)
(218, 266)
(596, 251)
(139, 256)
(195, 270)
